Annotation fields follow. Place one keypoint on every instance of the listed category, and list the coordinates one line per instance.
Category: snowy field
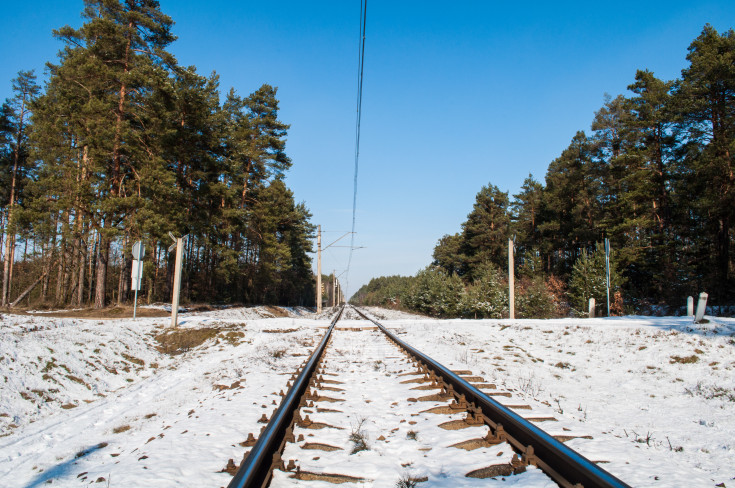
(132, 403)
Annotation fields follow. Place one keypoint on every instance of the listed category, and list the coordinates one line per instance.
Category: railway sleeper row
(314, 427)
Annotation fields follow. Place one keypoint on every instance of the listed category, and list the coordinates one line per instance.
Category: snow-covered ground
(131, 403)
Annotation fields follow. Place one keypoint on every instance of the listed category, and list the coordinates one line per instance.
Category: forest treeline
(655, 176)
(123, 144)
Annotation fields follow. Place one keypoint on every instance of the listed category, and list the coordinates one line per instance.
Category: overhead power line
(360, 71)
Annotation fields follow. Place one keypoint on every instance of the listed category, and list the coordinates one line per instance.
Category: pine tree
(485, 232)
(115, 57)
(526, 209)
(447, 254)
(487, 296)
(571, 205)
(18, 111)
(647, 215)
(705, 100)
(589, 279)
(435, 293)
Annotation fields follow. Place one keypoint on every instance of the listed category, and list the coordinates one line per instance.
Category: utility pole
(319, 270)
(334, 288)
(511, 280)
(319, 264)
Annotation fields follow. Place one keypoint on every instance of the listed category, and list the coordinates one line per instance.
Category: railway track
(395, 417)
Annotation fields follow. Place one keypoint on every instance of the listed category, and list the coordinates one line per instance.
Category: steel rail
(256, 470)
(557, 459)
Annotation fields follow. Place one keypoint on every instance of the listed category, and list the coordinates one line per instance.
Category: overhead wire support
(360, 72)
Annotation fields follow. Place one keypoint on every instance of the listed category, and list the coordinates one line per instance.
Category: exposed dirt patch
(178, 341)
(277, 311)
(684, 360)
(320, 447)
(329, 477)
(94, 313)
(471, 444)
(495, 470)
(454, 425)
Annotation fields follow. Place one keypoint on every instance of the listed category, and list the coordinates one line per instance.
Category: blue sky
(456, 95)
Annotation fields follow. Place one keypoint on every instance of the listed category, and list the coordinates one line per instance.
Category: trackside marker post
(511, 280)
(701, 307)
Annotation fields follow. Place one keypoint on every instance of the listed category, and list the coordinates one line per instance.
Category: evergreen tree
(485, 232)
(447, 254)
(487, 296)
(116, 57)
(705, 99)
(571, 207)
(589, 279)
(435, 293)
(16, 114)
(526, 208)
(647, 217)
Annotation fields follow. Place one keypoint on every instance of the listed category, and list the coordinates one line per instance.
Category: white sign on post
(138, 251)
(137, 274)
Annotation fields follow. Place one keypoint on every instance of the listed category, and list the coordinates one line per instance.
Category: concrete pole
(701, 307)
(177, 281)
(592, 308)
(319, 270)
(690, 306)
(511, 281)
(334, 288)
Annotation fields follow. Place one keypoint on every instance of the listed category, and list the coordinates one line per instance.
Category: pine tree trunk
(73, 262)
(2, 241)
(80, 272)
(6, 262)
(49, 262)
(91, 267)
(103, 256)
(60, 272)
(10, 237)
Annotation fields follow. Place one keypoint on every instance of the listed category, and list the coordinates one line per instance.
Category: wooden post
(177, 281)
(319, 270)
(511, 281)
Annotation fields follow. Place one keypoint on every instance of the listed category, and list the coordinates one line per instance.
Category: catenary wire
(360, 71)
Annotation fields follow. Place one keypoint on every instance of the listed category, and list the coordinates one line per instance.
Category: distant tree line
(123, 144)
(656, 176)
